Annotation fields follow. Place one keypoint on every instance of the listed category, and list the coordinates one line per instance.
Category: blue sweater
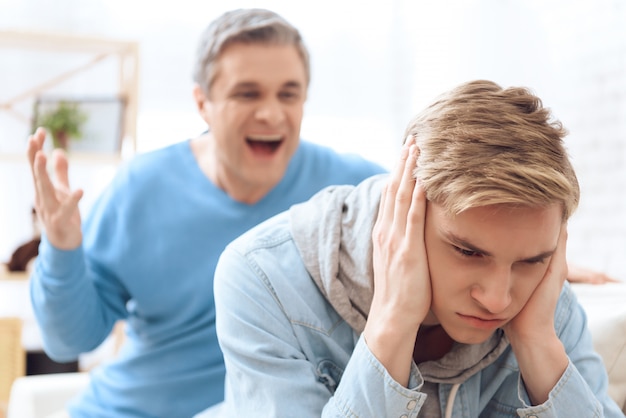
(148, 256)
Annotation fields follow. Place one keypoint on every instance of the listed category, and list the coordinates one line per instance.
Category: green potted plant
(64, 122)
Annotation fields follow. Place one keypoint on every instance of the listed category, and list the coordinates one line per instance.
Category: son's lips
(481, 322)
(481, 318)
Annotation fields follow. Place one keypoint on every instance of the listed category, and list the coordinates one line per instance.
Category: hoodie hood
(333, 232)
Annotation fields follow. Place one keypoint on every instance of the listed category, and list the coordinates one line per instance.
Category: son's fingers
(558, 263)
(406, 189)
(389, 194)
(392, 186)
(381, 204)
(416, 217)
(561, 247)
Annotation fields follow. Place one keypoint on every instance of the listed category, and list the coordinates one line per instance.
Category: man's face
(254, 112)
(485, 264)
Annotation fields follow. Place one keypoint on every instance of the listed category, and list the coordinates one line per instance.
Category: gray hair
(247, 26)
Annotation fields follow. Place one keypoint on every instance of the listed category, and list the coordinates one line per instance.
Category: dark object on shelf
(37, 362)
(23, 254)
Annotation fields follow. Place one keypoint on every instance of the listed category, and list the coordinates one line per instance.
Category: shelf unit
(116, 60)
(126, 53)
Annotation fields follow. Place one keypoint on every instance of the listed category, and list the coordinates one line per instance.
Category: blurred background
(375, 63)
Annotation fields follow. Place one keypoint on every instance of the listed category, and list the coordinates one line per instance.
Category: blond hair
(481, 144)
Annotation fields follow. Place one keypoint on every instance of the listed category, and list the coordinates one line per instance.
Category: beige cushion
(606, 311)
(610, 342)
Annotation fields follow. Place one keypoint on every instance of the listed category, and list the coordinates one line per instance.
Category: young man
(147, 251)
(439, 294)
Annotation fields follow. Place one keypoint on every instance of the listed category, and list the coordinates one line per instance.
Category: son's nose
(493, 293)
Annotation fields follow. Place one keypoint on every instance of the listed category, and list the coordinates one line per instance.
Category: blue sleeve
(369, 391)
(267, 370)
(76, 302)
(582, 389)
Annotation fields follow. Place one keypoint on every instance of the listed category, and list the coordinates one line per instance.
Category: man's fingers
(70, 204)
(609, 279)
(46, 194)
(59, 162)
(35, 144)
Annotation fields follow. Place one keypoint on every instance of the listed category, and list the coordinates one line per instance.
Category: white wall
(375, 64)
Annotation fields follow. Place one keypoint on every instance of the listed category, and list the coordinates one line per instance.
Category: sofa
(38, 396)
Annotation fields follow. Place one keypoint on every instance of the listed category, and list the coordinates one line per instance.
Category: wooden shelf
(56, 41)
(80, 158)
(12, 275)
(126, 53)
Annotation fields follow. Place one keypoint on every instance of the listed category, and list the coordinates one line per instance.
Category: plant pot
(61, 140)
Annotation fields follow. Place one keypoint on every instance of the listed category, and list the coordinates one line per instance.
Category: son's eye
(536, 261)
(466, 253)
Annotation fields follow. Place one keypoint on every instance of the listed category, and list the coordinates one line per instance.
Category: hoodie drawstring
(451, 396)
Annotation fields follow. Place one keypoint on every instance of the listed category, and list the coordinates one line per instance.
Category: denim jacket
(289, 353)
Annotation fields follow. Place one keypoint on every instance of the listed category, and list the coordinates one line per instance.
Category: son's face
(485, 264)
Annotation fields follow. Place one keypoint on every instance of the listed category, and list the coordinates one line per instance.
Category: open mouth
(264, 144)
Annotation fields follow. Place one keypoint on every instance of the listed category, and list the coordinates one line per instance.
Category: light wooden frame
(127, 53)
(102, 132)
(12, 358)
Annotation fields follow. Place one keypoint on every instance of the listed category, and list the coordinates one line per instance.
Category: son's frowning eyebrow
(463, 243)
